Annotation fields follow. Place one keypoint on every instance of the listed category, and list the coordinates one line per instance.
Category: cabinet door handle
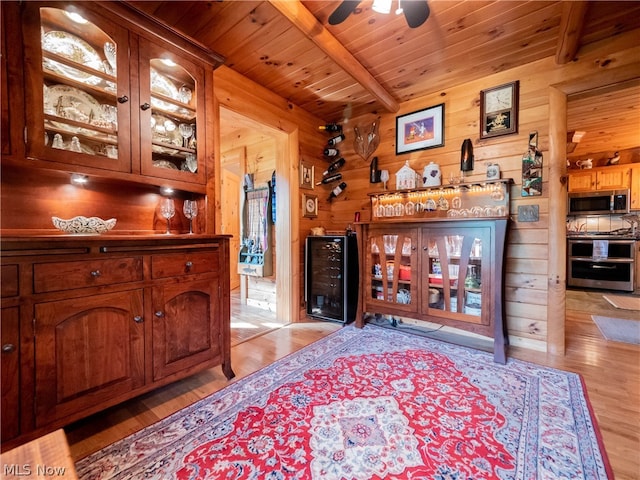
(159, 314)
(138, 319)
(145, 106)
(96, 273)
(8, 348)
(188, 265)
(123, 99)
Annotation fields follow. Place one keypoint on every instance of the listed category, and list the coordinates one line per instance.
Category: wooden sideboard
(445, 271)
(90, 321)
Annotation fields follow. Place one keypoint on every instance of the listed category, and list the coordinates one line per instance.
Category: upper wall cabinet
(98, 95)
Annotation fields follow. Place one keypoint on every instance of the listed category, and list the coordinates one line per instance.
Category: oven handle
(607, 260)
(603, 267)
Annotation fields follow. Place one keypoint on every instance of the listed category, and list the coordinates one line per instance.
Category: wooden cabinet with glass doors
(391, 265)
(439, 261)
(102, 97)
(448, 272)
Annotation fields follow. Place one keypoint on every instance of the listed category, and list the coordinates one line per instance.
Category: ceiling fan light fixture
(381, 6)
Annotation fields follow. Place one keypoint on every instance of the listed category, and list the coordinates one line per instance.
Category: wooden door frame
(287, 269)
(557, 275)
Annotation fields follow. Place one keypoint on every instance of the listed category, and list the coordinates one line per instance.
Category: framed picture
(306, 175)
(499, 110)
(309, 205)
(420, 130)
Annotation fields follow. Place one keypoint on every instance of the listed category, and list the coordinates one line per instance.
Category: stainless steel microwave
(598, 202)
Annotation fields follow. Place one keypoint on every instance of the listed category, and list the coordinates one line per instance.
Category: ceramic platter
(164, 164)
(74, 49)
(164, 86)
(72, 103)
(160, 132)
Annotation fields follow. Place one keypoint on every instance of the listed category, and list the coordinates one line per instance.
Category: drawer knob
(96, 273)
(188, 265)
(138, 319)
(123, 99)
(145, 106)
(8, 348)
(159, 314)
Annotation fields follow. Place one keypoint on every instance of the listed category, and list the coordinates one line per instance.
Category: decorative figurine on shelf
(405, 177)
(431, 175)
(493, 171)
(614, 160)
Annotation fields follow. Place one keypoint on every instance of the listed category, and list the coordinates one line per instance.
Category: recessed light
(79, 179)
(76, 17)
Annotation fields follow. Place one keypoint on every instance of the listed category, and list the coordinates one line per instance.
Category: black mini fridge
(331, 277)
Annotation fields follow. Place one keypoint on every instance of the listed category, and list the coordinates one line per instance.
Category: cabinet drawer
(176, 264)
(51, 277)
(9, 281)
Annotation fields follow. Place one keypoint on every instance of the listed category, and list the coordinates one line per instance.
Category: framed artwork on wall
(306, 175)
(499, 110)
(309, 205)
(420, 130)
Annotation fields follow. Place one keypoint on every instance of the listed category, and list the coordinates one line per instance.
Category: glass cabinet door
(392, 266)
(171, 98)
(77, 87)
(459, 275)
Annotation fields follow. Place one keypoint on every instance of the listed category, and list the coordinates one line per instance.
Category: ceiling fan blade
(341, 13)
(416, 12)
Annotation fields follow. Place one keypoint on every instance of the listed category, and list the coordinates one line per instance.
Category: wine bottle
(330, 178)
(331, 152)
(331, 127)
(334, 167)
(374, 173)
(333, 141)
(337, 191)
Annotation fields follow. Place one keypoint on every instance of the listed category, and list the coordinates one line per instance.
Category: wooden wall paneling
(531, 248)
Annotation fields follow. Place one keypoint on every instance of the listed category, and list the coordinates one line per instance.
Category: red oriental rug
(374, 403)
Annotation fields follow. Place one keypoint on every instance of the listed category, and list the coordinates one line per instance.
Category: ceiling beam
(571, 24)
(309, 25)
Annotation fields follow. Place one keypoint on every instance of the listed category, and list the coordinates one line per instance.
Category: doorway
(248, 146)
(559, 97)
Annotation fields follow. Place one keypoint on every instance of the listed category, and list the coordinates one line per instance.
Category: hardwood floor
(248, 322)
(611, 372)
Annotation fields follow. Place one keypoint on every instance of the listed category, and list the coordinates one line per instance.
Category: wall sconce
(466, 156)
(79, 179)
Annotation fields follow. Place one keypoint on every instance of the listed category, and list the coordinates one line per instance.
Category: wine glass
(384, 177)
(185, 94)
(167, 210)
(190, 210)
(186, 130)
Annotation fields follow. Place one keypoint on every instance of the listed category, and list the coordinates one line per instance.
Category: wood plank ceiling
(372, 62)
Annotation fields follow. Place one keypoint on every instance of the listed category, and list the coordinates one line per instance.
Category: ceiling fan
(415, 11)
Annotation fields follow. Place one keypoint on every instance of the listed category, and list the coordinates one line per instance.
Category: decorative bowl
(83, 225)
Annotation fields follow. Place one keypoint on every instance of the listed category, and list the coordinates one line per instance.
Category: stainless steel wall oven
(613, 272)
